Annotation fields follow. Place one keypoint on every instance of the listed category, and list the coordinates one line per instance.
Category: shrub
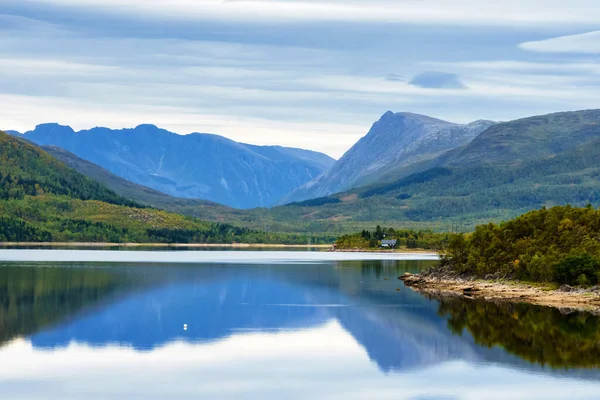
(579, 269)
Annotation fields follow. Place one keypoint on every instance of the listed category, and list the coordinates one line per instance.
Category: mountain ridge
(394, 141)
(198, 165)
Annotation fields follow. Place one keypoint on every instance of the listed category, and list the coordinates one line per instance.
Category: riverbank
(173, 245)
(565, 298)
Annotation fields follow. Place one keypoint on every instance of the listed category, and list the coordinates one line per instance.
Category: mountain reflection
(146, 307)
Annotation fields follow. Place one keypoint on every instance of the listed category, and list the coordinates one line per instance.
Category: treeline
(71, 230)
(406, 238)
(560, 244)
(17, 230)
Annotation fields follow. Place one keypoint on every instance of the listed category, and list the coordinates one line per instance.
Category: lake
(272, 325)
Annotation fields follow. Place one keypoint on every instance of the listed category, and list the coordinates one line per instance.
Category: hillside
(42, 199)
(193, 207)
(509, 169)
(528, 138)
(27, 170)
(396, 141)
(200, 166)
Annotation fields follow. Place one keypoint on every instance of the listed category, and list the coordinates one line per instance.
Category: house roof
(393, 241)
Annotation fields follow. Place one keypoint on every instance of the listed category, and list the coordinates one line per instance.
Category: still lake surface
(157, 325)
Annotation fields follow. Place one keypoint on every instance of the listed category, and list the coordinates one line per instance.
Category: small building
(390, 244)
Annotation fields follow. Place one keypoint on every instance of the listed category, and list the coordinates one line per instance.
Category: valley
(440, 177)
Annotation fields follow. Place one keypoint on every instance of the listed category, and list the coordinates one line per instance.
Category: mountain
(201, 166)
(142, 194)
(394, 142)
(43, 200)
(509, 169)
(528, 138)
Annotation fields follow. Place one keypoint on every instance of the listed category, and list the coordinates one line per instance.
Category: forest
(406, 238)
(559, 244)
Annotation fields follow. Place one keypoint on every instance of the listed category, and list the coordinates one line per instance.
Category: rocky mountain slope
(396, 141)
(193, 207)
(201, 166)
(509, 169)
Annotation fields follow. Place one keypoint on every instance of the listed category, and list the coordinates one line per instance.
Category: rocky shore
(438, 283)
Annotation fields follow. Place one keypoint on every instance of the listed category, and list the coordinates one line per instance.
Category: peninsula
(547, 257)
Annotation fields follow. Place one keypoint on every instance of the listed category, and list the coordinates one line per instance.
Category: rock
(411, 280)
(566, 288)
(595, 289)
(470, 290)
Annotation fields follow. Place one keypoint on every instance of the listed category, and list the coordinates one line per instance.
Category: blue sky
(312, 74)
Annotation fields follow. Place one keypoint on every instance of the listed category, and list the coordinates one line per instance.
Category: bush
(550, 245)
(581, 269)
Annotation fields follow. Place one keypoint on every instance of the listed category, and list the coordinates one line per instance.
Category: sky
(310, 74)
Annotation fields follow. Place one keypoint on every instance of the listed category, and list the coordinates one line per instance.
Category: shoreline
(401, 250)
(572, 299)
(192, 245)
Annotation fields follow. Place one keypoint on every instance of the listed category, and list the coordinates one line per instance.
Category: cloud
(285, 72)
(394, 78)
(468, 12)
(583, 43)
(437, 80)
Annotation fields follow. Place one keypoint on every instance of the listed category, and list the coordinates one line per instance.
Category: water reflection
(336, 319)
(540, 335)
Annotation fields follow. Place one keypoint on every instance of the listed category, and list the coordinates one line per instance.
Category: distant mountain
(142, 194)
(396, 141)
(43, 200)
(201, 166)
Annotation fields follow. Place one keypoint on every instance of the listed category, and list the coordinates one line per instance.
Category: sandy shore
(188, 245)
(506, 291)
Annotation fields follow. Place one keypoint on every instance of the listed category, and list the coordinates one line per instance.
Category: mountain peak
(424, 119)
(53, 128)
(53, 125)
(147, 127)
(395, 141)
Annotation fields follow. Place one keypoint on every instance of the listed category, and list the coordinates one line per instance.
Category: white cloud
(248, 71)
(467, 12)
(584, 43)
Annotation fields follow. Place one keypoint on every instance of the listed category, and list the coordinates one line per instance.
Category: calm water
(256, 325)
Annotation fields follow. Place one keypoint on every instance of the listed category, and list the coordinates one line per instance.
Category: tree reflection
(34, 298)
(541, 335)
